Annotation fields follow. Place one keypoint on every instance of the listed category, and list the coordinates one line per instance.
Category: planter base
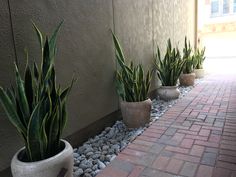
(168, 92)
(199, 73)
(58, 165)
(136, 114)
(187, 79)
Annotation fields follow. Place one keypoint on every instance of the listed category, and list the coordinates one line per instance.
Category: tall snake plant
(189, 64)
(170, 67)
(37, 106)
(131, 82)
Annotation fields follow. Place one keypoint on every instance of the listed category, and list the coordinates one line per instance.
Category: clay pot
(168, 92)
(58, 165)
(136, 114)
(199, 73)
(187, 79)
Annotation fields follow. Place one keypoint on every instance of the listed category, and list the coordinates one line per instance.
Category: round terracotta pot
(168, 92)
(187, 79)
(199, 73)
(136, 114)
(58, 165)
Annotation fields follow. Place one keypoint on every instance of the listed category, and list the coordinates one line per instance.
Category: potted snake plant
(199, 57)
(132, 87)
(168, 70)
(37, 108)
(187, 78)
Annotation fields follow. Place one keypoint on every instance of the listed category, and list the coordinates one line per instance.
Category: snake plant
(131, 83)
(199, 57)
(170, 67)
(189, 64)
(37, 106)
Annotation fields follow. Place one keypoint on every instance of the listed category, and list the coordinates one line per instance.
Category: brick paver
(194, 138)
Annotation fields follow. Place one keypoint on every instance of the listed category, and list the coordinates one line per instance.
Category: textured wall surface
(180, 22)
(191, 21)
(10, 142)
(163, 27)
(173, 19)
(133, 26)
(85, 48)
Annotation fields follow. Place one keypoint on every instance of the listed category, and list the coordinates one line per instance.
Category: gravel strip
(99, 151)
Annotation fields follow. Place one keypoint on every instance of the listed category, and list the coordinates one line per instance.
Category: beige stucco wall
(85, 48)
(184, 22)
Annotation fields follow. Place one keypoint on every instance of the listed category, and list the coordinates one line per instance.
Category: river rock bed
(99, 151)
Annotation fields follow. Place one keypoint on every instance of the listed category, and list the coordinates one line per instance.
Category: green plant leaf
(44, 138)
(46, 61)
(11, 111)
(39, 35)
(66, 91)
(33, 134)
(52, 40)
(24, 106)
(29, 87)
(54, 130)
(36, 71)
(63, 117)
(118, 47)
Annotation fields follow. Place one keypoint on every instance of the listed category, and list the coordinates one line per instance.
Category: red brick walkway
(195, 138)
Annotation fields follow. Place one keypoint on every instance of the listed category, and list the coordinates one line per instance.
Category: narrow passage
(194, 138)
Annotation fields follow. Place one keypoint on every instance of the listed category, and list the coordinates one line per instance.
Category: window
(220, 8)
(234, 6)
(225, 6)
(214, 7)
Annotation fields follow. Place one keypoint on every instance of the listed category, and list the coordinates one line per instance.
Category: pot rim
(188, 74)
(168, 87)
(199, 69)
(16, 159)
(147, 100)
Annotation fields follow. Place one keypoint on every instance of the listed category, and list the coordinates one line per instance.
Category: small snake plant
(131, 83)
(170, 67)
(199, 57)
(37, 106)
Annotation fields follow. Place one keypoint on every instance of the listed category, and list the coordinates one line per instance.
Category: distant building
(217, 25)
(217, 15)
(222, 8)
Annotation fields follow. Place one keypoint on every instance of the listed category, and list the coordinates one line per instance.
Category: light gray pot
(168, 92)
(60, 165)
(136, 114)
(187, 79)
(199, 73)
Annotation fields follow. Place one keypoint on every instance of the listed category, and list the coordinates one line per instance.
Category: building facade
(217, 27)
